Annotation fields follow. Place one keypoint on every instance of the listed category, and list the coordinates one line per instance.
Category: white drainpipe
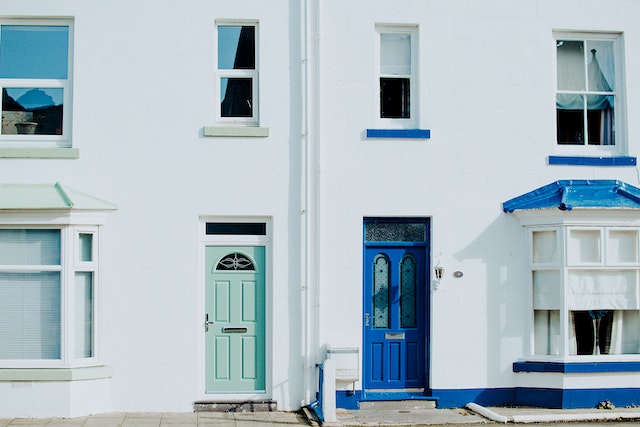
(309, 195)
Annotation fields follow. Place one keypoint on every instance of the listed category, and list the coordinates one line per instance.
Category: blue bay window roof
(582, 194)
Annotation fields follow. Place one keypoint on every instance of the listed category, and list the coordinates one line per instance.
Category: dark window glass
(570, 127)
(394, 98)
(593, 331)
(234, 262)
(389, 231)
(231, 228)
(236, 47)
(237, 97)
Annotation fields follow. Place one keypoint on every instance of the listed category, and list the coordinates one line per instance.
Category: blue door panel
(395, 354)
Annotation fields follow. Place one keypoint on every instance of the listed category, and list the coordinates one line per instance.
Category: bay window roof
(582, 194)
(49, 197)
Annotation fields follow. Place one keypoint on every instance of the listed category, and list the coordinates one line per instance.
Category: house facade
(201, 202)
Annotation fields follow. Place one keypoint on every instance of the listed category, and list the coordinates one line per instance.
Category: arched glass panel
(235, 262)
(408, 292)
(381, 292)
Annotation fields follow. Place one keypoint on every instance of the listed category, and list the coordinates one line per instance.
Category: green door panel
(235, 308)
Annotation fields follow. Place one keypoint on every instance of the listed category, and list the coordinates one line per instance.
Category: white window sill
(39, 153)
(56, 374)
(236, 131)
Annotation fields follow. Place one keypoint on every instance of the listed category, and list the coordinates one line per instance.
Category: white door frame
(234, 240)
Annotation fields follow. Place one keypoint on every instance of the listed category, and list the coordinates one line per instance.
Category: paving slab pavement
(346, 418)
(155, 419)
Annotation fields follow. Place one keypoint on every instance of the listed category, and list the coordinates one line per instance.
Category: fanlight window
(235, 262)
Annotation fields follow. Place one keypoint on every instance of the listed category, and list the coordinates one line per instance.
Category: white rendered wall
(143, 92)
(487, 82)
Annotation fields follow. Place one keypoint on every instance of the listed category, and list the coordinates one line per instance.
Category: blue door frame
(396, 315)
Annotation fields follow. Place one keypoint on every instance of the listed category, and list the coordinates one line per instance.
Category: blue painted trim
(347, 399)
(368, 396)
(399, 133)
(482, 396)
(576, 367)
(592, 161)
(576, 398)
(522, 396)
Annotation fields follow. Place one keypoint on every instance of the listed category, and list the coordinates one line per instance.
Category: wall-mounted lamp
(439, 272)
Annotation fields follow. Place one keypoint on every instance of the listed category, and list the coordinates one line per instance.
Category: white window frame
(619, 148)
(69, 265)
(227, 73)
(61, 141)
(564, 264)
(414, 101)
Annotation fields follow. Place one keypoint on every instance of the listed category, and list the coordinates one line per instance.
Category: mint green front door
(234, 319)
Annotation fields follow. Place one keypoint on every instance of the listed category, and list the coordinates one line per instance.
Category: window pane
(34, 52)
(571, 72)
(408, 292)
(570, 119)
(395, 54)
(29, 247)
(83, 299)
(236, 97)
(600, 68)
(629, 332)
(32, 111)
(30, 315)
(236, 47)
(546, 289)
(395, 231)
(592, 330)
(231, 228)
(381, 292)
(600, 119)
(545, 247)
(85, 247)
(584, 246)
(546, 327)
(623, 246)
(394, 98)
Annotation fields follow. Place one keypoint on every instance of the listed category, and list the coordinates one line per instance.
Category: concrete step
(236, 406)
(397, 405)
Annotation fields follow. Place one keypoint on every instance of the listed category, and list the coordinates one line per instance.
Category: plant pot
(26, 128)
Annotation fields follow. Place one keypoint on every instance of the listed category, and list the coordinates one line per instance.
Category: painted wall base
(38, 399)
(522, 396)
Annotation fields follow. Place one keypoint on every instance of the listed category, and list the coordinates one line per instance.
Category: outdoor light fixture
(439, 272)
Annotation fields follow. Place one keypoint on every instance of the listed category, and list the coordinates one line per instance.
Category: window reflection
(32, 111)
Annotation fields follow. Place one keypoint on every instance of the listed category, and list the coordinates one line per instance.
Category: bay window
(48, 279)
(585, 290)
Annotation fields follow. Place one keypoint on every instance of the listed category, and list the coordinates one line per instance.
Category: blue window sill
(592, 161)
(576, 367)
(399, 133)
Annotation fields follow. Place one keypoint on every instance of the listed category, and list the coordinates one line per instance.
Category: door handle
(366, 319)
(207, 323)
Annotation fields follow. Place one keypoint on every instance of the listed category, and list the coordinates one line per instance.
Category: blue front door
(395, 316)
